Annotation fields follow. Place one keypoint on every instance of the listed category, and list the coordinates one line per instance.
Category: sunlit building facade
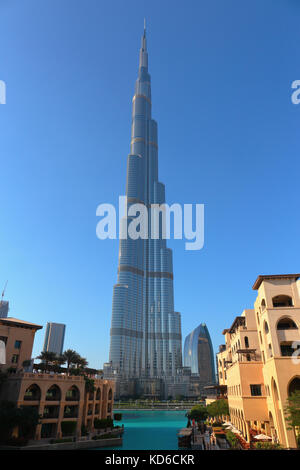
(260, 363)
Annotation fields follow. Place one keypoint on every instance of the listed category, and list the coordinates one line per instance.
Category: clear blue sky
(228, 137)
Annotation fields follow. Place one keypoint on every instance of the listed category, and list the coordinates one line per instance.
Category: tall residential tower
(54, 337)
(145, 330)
(199, 355)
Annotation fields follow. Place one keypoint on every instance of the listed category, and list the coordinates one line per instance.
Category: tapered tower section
(145, 329)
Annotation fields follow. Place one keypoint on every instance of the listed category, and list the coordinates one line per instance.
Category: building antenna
(3, 292)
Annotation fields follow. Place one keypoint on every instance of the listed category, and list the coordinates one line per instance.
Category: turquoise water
(151, 430)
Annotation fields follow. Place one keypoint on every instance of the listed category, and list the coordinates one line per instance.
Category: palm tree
(47, 357)
(58, 362)
(70, 356)
(82, 363)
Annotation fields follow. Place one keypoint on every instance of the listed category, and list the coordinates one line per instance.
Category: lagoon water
(151, 430)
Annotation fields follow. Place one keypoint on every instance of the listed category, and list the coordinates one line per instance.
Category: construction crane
(3, 292)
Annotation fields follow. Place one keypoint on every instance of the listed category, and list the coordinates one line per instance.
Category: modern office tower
(199, 355)
(145, 330)
(54, 337)
(4, 308)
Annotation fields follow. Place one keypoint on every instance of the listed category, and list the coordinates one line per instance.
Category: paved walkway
(202, 441)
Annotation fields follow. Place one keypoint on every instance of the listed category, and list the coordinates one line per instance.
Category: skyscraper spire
(143, 50)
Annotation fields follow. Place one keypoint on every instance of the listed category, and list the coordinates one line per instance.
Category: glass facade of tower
(54, 337)
(145, 329)
(199, 354)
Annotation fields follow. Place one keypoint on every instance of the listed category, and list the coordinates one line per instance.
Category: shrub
(232, 439)
(267, 446)
(220, 435)
(103, 423)
(68, 427)
(84, 430)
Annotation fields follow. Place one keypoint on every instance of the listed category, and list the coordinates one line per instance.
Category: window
(246, 342)
(18, 344)
(255, 390)
(286, 324)
(266, 327)
(282, 301)
(270, 350)
(15, 358)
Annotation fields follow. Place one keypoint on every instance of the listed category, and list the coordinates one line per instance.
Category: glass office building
(145, 329)
(199, 354)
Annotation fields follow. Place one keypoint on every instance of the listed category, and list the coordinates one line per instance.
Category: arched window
(32, 393)
(73, 394)
(98, 394)
(110, 394)
(286, 324)
(263, 304)
(294, 385)
(282, 301)
(53, 393)
(266, 327)
(246, 342)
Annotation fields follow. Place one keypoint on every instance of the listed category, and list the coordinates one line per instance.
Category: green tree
(26, 363)
(103, 423)
(292, 412)
(81, 362)
(58, 362)
(68, 428)
(70, 356)
(218, 408)
(25, 418)
(28, 419)
(198, 413)
(47, 357)
(89, 385)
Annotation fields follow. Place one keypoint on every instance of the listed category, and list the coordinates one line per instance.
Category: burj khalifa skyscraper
(145, 335)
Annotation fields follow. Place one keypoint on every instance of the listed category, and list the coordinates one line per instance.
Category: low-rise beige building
(260, 363)
(59, 397)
